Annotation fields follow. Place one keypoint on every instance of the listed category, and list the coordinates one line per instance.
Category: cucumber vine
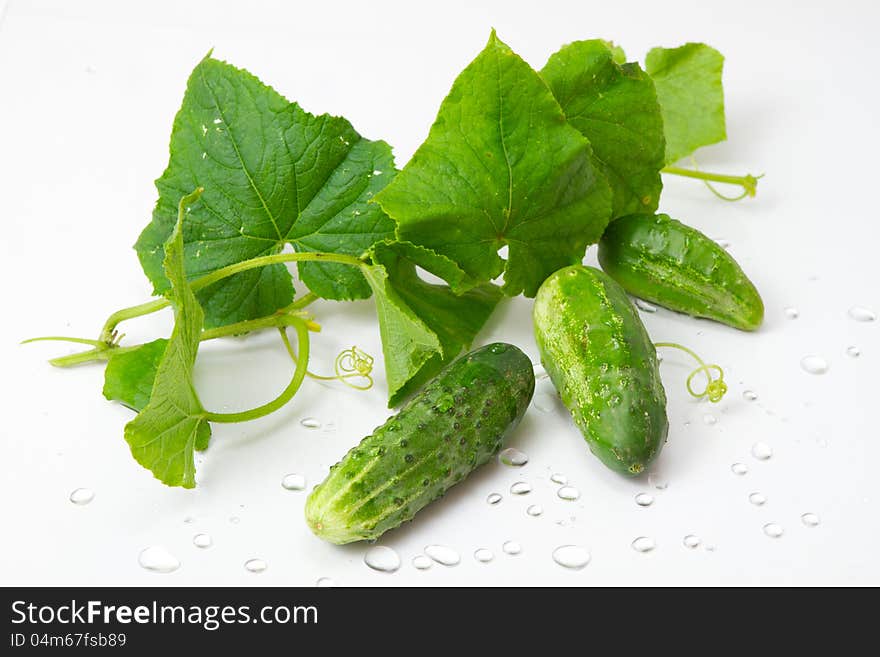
(562, 152)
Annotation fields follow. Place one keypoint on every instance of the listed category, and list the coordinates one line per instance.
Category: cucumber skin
(664, 261)
(602, 361)
(456, 423)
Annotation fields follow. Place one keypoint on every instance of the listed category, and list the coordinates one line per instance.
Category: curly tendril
(354, 363)
(715, 388)
(748, 182)
(349, 364)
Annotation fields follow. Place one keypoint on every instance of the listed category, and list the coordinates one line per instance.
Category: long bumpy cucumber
(601, 360)
(662, 260)
(451, 427)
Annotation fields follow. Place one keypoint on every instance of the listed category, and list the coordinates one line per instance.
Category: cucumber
(604, 366)
(662, 260)
(451, 427)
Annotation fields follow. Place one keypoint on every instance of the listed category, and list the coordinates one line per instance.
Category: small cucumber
(601, 360)
(661, 260)
(451, 427)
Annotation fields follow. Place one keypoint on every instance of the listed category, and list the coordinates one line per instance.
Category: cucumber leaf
(423, 325)
(501, 166)
(617, 53)
(615, 107)
(688, 82)
(165, 433)
(273, 175)
(129, 377)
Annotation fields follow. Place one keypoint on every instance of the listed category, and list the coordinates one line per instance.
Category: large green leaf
(615, 107)
(688, 82)
(273, 175)
(166, 432)
(501, 166)
(423, 325)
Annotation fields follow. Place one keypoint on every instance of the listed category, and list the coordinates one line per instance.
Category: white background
(88, 91)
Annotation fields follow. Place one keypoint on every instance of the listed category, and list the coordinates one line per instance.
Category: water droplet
(568, 493)
(498, 348)
(521, 488)
(773, 530)
(421, 562)
(559, 478)
(545, 402)
(853, 352)
(325, 582)
(511, 547)
(571, 556)
(710, 419)
(862, 314)
(749, 395)
(377, 172)
(814, 364)
(157, 559)
(382, 558)
(255, 565)
(792, 313)
(810, 519)
(513, 457)
(443, 555)
(643, 544)
(762, 451)
(739, 468)
(82, 496)
(310, 423)
(723, 243)
(483, 555)
(643, 305)
(234, 520)
(757, 499)
(493, 498)
(293, 481)
(643, 499)
(657, 481)
(203, 540)
(535, 510)
(691, 541)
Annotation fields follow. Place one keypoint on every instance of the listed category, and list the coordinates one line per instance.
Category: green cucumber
(604, 366)
(662, 260)
(451, 427)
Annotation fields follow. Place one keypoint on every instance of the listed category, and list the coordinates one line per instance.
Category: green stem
(265, 261)
(225, 272)
(130, 313)
(103, 351)
(305, 300)
(302, 334)
(63, 338)
(277, 320)
(98, 353)
(748, 182)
